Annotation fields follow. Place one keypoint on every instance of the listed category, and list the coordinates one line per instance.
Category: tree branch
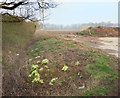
(13, 7)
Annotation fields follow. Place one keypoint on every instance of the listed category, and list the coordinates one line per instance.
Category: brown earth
(104, 31)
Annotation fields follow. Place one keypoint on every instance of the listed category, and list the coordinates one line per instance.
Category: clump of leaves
(36, 77)
(41, 69)
(33, 68)
(38, 62)
(37, 57)
(46, 67)
(79, 74)
(45, 61)
(53, 80)
(77, 63)
(65, 68)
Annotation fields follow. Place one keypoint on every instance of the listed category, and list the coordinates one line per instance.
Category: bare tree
(26, 9)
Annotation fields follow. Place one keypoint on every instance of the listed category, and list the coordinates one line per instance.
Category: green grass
(84, 44)
(46, 44)
(36, 50)
(59, 42)
(101, 91)
(93, 32)
(102, 66)
(101, 71)
(70, 44)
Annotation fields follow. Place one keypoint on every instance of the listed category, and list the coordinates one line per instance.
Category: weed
(41, 69)
(33, 68)
(38, 62)
(69, 44)
(45, 61)
(87, 32)
(65, 68)
(79, 74)
(77, 63)
(84, 44)
(53, 80)
(94, 32)
(59, 42)
(50, 48)
(89, 54)
(36, 49)
(83, 32)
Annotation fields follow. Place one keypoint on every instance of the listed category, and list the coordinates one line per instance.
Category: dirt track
(106, 44)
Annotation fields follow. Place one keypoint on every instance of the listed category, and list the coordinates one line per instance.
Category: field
(46, 64)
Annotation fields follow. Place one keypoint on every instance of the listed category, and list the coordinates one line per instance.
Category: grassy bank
(16, 36)
(73, 69)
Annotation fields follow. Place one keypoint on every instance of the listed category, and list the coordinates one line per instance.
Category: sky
(83, 11)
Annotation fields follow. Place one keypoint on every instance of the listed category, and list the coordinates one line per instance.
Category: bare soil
(103, 31)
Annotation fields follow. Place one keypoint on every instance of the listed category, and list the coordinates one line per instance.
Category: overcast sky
(82, 11)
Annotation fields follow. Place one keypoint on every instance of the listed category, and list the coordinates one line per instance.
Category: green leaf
(54, 79)
(77, 63)
(65, 68)
(41, 69)
(51, 83)
(45, 61)
(41, 81)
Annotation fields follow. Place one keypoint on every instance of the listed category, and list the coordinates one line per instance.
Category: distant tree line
(78, 26)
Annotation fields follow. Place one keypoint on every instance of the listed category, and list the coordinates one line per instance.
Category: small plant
(79, 74)
(59, 42)
(53, 80)
(45, 61)
(65, 68)
(77, 63)
(41, 69)
(50, 83)
(32, 50)
(46, 67)
(41, 81)
(48, 70)
(94, 32)
(37, 57)
(36, 76)
(33, 68)
(36, 48)
(84, 44)
(83, 32)
(38, 62)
